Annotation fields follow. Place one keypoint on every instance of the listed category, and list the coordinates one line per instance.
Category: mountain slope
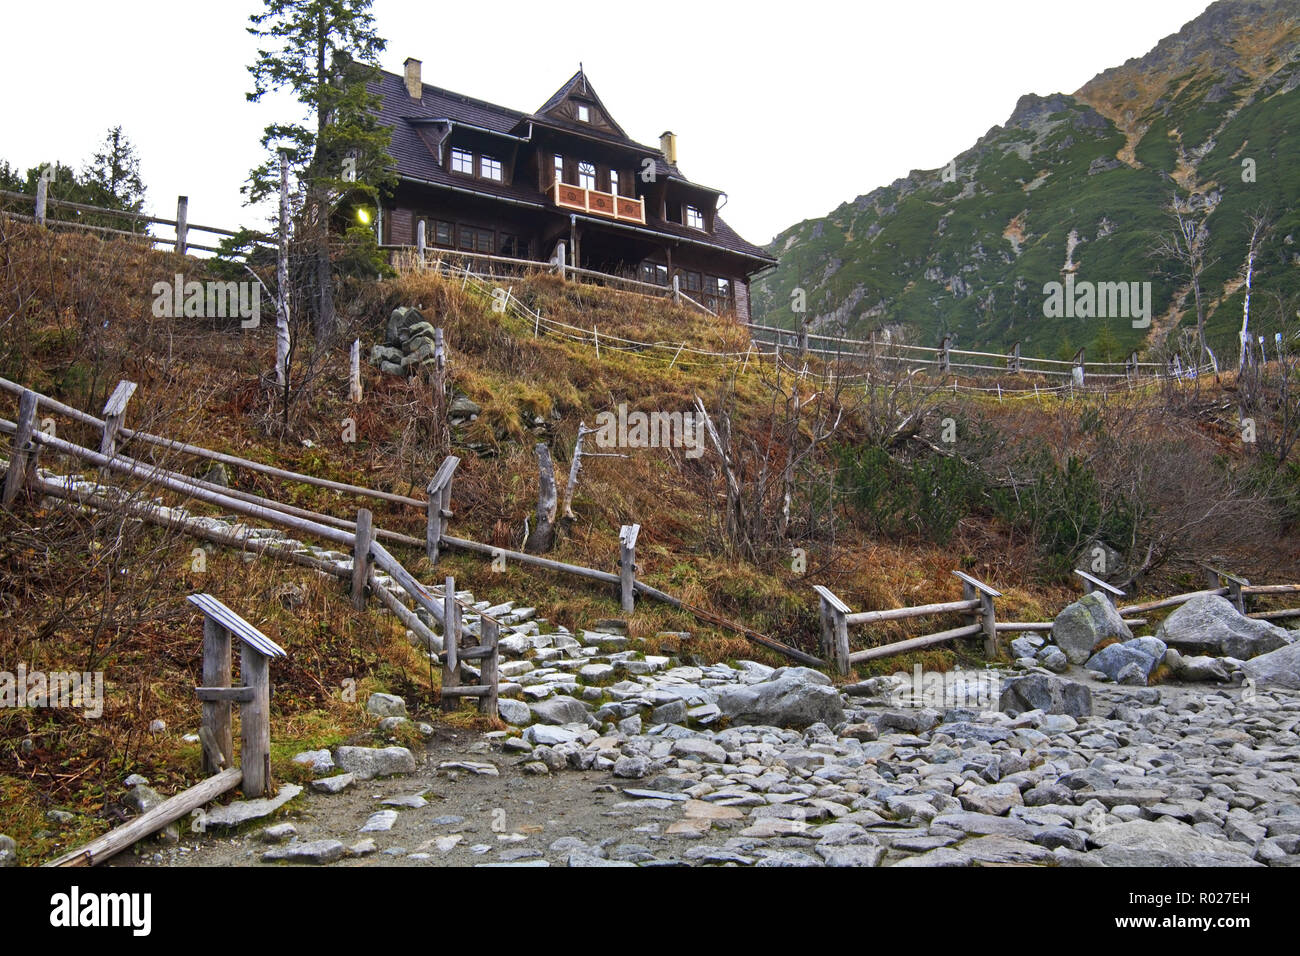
(1079, 184)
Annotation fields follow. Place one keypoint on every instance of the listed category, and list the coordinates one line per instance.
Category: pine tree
(325, 52)
(115, 172)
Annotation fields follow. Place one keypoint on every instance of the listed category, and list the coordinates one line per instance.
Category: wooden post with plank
(1234, 583)
(1092, 583)
(439, 507)
(973, 589)
(834, 629)
(114, 413)
(256, 651)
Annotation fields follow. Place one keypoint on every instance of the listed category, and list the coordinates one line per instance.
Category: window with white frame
(462, 161)
(693, 218)
(613, 181)
(584, 113)
(489, 168)
(587, 175)
(559, 168)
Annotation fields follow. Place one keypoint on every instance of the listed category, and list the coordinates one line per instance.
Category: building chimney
(414, 85)
(668, 144)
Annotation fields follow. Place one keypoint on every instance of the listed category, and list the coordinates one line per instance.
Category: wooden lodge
(563, 184)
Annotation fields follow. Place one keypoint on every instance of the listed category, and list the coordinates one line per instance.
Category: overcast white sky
(791, 107)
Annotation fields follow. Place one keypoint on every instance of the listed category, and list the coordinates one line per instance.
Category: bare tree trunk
(542, 538)
(574, 469)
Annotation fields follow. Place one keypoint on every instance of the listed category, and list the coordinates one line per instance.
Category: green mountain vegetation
(1082, 184)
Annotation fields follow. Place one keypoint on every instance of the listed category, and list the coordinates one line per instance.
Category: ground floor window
(654, 273)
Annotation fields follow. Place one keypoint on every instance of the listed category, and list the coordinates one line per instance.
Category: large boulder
(1145, 653)
(1165, 842)
(1051, 695)
(560, 710)
(1280, 667)
(370, 762)
(793, 697)
(1084, 624)
(1211, 625)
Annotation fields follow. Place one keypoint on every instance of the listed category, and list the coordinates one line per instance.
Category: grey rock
(1280, 668)
(559, 710)
(1051, 695)
(142, 798)
(1084, 624)
(1054, 659)
(1146, 653)
(316, 852)
(850, 855)
(278, 833)
(673, 712)
(631, 767)
(241, 811)
(368, 762)
(379, 822)
(319, 761)
(335, 784)
(1210, 624)
(698, 748)
(386, 705)
(8, 851)
(793, 697)
(514, 711)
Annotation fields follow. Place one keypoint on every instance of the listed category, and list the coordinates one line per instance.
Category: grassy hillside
(1079, 184)
(883, 508)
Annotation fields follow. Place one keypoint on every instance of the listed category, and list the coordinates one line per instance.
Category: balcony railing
(622, 208)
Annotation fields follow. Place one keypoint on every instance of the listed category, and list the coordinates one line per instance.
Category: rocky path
(616, 757)
(1172, 776)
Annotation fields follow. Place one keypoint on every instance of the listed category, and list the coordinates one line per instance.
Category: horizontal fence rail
(181, 226)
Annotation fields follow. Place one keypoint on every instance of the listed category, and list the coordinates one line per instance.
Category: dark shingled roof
(414, 158)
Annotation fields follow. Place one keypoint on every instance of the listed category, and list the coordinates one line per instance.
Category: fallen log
(167, 812)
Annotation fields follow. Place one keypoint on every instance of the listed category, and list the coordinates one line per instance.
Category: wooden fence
(181, 227)
(977, 605)
(360, 535)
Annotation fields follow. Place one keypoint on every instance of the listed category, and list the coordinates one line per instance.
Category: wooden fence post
(1015, 358)
(114, 412)
(255, 722)
(835, 629)
(42, 199)
(22, 450)
(560, 258)
(215, 729)
(355, 393)
(420, 240)
(627, 565)
(1077, 371)
(450, 643)
(361, 558)
(182, 223)
(677, 288)
(491, 634)
(439, 506)
(945, 363)
(972, 589)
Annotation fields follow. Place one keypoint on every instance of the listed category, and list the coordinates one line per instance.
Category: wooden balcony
(621, 208)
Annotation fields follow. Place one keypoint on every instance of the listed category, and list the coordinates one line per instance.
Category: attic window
(584, 114)
(693, 218)
(490, 168)
(462, 161)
